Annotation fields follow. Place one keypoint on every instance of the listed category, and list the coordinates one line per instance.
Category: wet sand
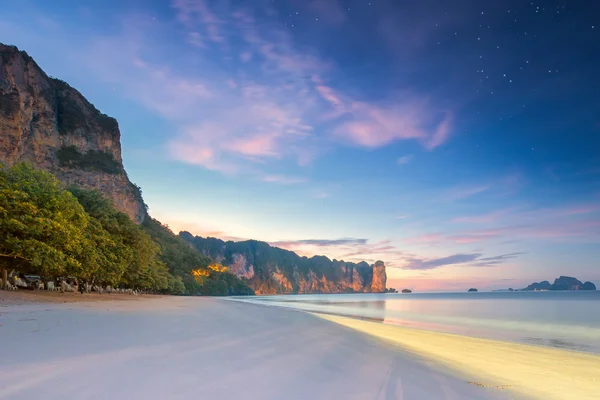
(534, 371)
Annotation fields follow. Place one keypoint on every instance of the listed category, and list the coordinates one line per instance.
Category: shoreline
(534, 371)
(203, 347)
(492, 368)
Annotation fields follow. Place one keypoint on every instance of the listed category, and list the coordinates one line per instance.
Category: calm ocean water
(569, 319)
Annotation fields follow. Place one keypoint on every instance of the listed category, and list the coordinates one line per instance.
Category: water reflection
(565, 320)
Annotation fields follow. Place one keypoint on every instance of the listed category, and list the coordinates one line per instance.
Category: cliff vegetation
(57, 233)
(271, 270)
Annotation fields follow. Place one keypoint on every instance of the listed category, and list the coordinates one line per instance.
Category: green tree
(175, 285)
(131, 256)
(200, 274)
(42, 225)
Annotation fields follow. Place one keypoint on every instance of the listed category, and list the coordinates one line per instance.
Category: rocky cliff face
(271, 270)
(48, 123)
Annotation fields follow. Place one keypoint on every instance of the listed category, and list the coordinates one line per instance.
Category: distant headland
(561, 283)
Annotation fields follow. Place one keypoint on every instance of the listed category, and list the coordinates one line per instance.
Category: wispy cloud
(496, 260)
(427, 238)
(275, 113)
(555, 231)
(374, 125)
(196, 14)
(522, 223)
(404, 159)
(493, 216)
(283, 179)
(348, 249)
(474, 260)
(320, 242)
(464, 192)
(267, 107)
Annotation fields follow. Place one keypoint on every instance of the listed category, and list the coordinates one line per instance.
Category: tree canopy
(53, 232)
(42, 225)
(199, 274)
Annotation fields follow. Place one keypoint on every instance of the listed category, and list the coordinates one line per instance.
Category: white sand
(200, 348)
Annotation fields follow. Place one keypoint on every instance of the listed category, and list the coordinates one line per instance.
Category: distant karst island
(472, 290)
(561, 283)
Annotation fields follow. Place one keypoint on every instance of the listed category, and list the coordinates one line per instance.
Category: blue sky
(459, 142)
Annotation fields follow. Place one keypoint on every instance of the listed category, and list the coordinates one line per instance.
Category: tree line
(57, 232)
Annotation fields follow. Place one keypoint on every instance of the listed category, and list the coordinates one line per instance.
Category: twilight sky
(457, 141)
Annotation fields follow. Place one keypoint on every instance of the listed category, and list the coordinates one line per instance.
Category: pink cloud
(441, 134)
(328, 94)
(556, 231)
(231, 121)
(245, 56)
(546, 214)
(425, 239)
(252, 126)
(464, 192)
(577, 223)
(283, 179)
(581, 209)
(493, 216)
(194, 148)
(194, 13)
(264, 145)
(377, 125)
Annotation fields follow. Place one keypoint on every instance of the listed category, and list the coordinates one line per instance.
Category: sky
(458, 141)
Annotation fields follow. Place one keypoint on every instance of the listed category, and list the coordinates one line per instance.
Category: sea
(560, 319)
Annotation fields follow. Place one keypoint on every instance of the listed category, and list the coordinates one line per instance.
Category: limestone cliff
(50, 124)
(271, 270)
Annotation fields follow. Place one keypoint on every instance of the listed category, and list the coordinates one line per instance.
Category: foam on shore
(533, 371)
